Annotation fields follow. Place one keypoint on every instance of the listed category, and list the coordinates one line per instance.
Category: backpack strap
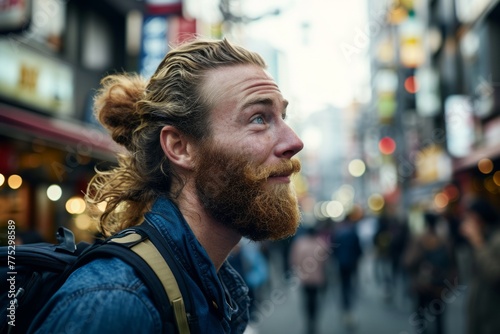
(150, 265)
(149, 253)
(147, 228)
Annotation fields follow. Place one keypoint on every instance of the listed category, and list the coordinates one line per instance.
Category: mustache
(283, 168)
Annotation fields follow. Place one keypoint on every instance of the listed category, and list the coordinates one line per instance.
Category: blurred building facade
(53, 55)
(431, 132)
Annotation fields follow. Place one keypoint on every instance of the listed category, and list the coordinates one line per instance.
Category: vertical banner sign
(154, 43)
(459, 125)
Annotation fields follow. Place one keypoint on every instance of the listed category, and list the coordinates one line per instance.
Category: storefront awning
(22, 124)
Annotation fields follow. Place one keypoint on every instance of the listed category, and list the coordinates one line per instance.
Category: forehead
(232, 86)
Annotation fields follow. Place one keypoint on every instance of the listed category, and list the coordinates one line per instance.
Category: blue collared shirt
(107, 296)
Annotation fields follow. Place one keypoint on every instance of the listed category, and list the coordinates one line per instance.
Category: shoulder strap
(150, 265)
(179, 273)
(149, 253)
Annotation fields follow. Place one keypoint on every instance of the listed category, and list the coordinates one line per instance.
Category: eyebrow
(264, 101)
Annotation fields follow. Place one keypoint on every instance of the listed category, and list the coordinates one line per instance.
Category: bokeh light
(357, 167)
(485, 166)
(441, 200)
(376, 202)
(411, 85)
(75, 205)
(334, 209)
(387, 145)
(14, 181)
(496, 178)
(54, 192)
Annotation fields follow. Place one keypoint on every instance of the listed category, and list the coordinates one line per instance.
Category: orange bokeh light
(411, 85)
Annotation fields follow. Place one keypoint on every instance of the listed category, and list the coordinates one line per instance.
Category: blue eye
(259, 120)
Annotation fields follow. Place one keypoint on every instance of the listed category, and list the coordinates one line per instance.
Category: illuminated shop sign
(154, 43)
(36, 80)
(459, 125)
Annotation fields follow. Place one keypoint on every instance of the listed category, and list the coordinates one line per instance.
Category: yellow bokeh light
(496, 178)
(357, 167)
(490, 185)
(334, 209)
(2, 180)
(14, 181)
(376, 202)
(485, 166)
(75, 205)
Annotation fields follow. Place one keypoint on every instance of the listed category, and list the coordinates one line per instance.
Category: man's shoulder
(104, 271)
(116, 293)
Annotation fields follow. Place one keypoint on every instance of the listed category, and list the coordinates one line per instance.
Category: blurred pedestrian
(461, 249)
(388, 241)
(308, 257)
(481, 227)
(347, 253)
(249, 261)
(429, 262)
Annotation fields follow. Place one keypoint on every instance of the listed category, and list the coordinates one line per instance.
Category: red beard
(237, 194)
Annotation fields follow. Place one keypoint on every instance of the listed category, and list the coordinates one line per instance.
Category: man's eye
(259, 120)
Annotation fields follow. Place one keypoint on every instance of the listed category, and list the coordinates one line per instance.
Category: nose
(289, 143)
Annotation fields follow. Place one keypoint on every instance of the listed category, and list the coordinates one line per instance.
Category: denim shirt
(107, 296)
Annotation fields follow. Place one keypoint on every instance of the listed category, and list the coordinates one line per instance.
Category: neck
(217, 239)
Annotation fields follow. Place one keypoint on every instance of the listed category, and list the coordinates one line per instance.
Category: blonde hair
(135, 110)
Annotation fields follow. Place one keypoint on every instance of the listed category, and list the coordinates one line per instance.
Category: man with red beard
(208, 160)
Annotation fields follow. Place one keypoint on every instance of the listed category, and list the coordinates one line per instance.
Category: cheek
(260, 149)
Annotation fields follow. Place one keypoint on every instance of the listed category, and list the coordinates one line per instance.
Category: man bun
(115, 106)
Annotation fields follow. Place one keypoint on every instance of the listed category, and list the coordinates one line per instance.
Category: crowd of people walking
(425, 260)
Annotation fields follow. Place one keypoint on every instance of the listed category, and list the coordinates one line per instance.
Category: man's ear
(177, 147)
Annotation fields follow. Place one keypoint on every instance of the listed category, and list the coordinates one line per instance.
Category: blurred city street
(394, 112)
(373, 312)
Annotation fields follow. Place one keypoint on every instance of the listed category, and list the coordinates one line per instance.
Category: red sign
(163, 7)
